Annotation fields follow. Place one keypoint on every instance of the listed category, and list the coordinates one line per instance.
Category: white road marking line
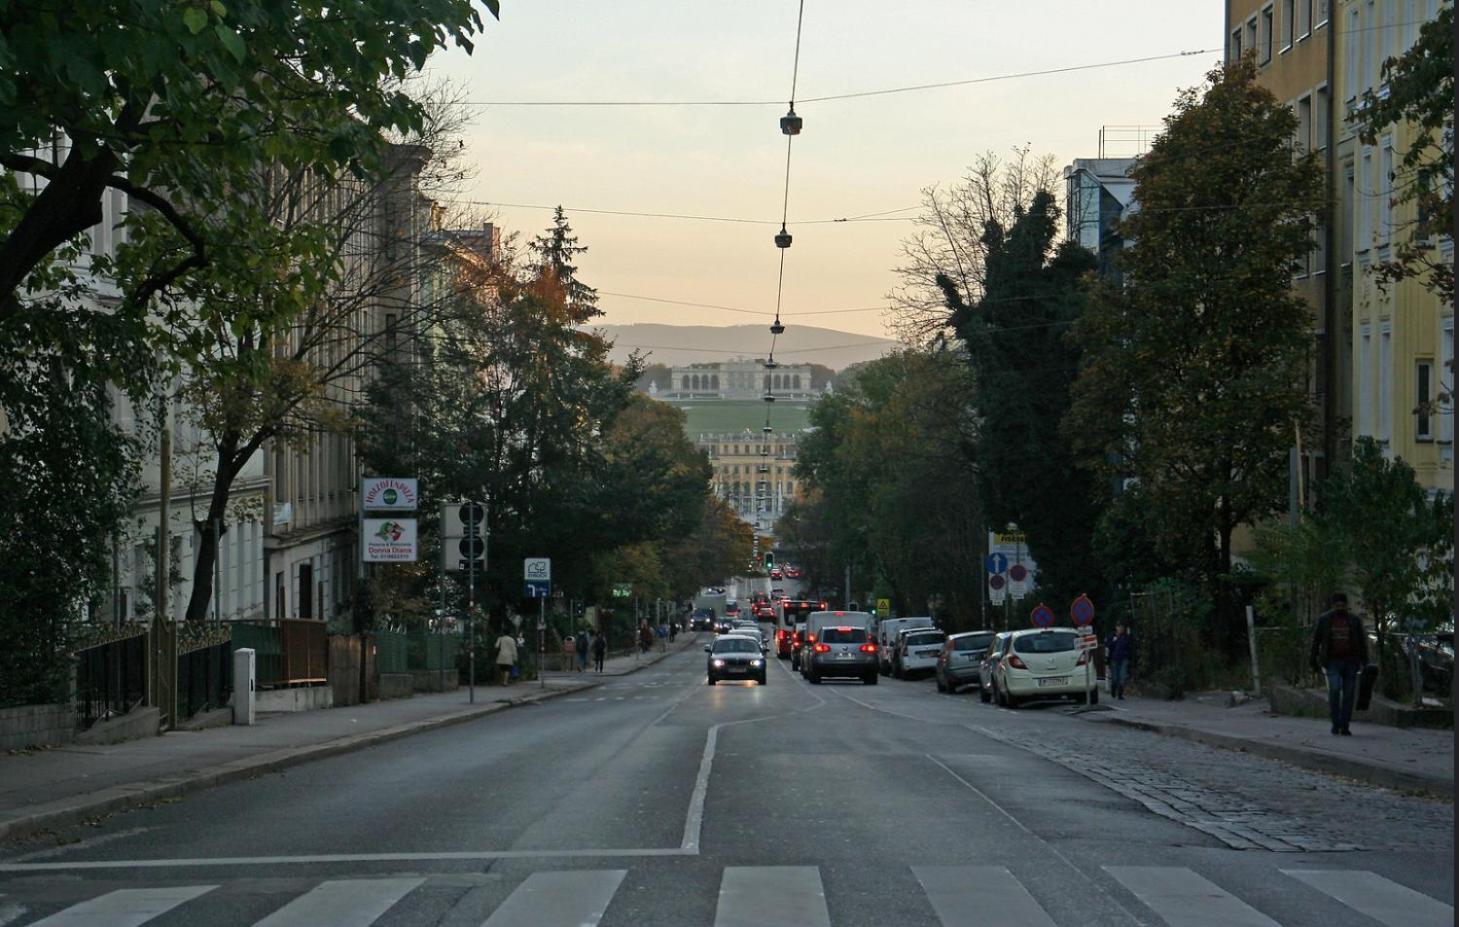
(79, 845)
(1385, 901)
(694, 819)
(336, 858)
(980, 896)
(10, 912)
(127, 907)
(786, 896)
(342, 903)
(981, 794)
(1185, 899)
(575, 898)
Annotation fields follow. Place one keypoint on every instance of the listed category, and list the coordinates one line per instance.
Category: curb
(1397, 779)
(77, 809)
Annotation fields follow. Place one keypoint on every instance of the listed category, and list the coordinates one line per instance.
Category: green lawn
(738, 415)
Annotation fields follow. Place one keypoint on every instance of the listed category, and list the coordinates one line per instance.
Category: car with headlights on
(735, 656)
(1042, 663)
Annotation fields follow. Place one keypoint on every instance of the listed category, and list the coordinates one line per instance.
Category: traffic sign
(538, 569)
(622, 590)
(1082, 611)
(1018, 572)
(536, 589)
(1087, 642)
(1042, 616)
(883, 608)
(996, 582)
(996, 563)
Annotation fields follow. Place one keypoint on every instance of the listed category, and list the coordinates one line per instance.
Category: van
(839, 644)
(886, 638)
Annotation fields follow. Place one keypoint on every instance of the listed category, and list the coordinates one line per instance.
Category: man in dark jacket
(1340, 649)
(1120, 651)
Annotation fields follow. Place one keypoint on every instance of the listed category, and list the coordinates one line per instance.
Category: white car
(917, 652)
(1042, 663)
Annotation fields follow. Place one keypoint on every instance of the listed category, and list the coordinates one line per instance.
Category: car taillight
(823, 648)
(1015, 662)
(780, 635)
(1083, 659)
(810, 638)
(868, 648)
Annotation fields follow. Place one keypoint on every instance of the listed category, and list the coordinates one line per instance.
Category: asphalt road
(657, 800)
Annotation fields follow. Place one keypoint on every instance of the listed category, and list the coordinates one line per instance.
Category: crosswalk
(785, 896)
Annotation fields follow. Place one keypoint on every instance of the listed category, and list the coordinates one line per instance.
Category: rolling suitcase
(1366, 677)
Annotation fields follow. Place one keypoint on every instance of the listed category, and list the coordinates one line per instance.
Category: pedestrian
(1120, 651)
(645, 636)
(1339, 649)
(569, 652)
(600, 650)
(506, 657)
(582, 650)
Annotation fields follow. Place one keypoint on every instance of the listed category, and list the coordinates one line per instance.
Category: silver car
(960, 660)
(841, 651)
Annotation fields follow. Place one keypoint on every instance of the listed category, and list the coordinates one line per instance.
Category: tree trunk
(1226, 621)
(230, 460)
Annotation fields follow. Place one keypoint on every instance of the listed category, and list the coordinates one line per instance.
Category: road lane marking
(980, 896)
(694, 819)
(445, 856)
(787, 896)
(575, 898)
(1383, 900)
(983, 795)
(127, 907)
(1185, 899)
(342, 903)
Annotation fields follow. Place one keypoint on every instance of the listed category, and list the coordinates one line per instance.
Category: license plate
(734, 669)
(843, 656)
(927, 653)
(1054, 681)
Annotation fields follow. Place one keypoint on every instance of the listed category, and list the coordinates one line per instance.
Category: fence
(416, 650)
(289, 651)
(204, 678)
(111, 678)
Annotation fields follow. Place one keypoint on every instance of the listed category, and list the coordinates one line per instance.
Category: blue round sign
(1082, 611)
(1042, 616)
(996, 563)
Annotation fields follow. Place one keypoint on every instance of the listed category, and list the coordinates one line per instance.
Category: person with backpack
(600, 650)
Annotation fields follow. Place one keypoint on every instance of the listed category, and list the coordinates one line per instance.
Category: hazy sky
(855, 156)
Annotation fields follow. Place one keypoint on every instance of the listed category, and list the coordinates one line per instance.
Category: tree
(556, 251)
(1023, 364)
(1420, 95)
(949, 238)
(1194, 374)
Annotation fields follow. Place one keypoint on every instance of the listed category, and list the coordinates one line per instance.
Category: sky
(855, 157)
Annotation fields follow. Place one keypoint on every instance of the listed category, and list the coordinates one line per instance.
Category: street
(657, 800)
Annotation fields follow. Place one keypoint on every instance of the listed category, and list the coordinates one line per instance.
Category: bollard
(244, 685)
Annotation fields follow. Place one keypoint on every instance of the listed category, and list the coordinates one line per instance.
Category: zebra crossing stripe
(974, 896)
(1185, 899)
(342, 903)
(786, 896)
(1383, 900)
(571, 898)
(127, 907)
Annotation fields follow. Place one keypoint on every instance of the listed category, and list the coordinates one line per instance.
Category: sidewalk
(66, 785)
(1408, 759)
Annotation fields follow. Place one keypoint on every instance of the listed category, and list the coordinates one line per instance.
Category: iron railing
(111, 678)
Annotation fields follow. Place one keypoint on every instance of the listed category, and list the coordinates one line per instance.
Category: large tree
(1194, 381)
(557, 250)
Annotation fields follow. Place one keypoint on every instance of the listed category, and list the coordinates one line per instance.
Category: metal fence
(288, 651)
(416, 650)
(204, 678)
(111, 678)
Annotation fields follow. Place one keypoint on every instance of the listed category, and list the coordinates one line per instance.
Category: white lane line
(1185, 899)
(980, 896)
(983, 795)
(1383, 900)
(128, 907)
(786, 896)
(559, 899)
(79, 845)
(342, 903)
(337, 858)
(694, 820)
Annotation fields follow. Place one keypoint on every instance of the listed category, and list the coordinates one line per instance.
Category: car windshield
(972, 642)
(843, 635)
(736, 645)
(924, 638)
(1053, 642)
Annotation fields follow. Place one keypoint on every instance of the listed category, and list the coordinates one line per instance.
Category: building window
(1304, 125)
(1319, 248)
(1320, 18)
(1289, 23)
(1370, 60)
(1445, 389)
(1365, 379)
(1303, 26)
(1351, 78)
(1424, 386)
(1235, 45)
(1345, 231)
(1385, 382)
(1320, 120)
(1267, 35)
(1248, 41)
(1365, 209)
(1385, 186)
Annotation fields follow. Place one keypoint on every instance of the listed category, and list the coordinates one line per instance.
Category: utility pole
(165, 656)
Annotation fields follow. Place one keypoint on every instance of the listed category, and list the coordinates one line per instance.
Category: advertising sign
(388, 494)
(389, 540)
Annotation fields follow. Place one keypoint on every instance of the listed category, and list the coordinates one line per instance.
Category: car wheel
(814, 677)
(761, 680)
(940, 686)
(871, 679)
(998, 695)
(1094, 696)
(1009, 699)
(983, 693)
(711, 680)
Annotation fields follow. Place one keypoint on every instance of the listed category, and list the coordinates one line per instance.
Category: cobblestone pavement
(1246, 801)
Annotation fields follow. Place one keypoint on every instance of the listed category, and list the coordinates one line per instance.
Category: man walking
(600, 650)
(582, 650)
(1120, 648)
(506, 657)
(1340, 649)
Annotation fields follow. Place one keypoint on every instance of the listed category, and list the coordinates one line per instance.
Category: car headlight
(756, 662)
(719, 663)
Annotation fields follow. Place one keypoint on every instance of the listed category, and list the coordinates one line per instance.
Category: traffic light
(463, 536)
(769, 561)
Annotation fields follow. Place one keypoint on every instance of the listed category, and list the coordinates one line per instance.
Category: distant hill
(698, 344)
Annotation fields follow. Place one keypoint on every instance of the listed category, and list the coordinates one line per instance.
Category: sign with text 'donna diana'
(389, 540)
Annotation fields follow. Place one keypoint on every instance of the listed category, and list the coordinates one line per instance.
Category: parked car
(961, 655)
(1042, 663)
(839, 644)
(917, 652)
(886, 638)
(797, 645)
(735, 656)
(989, 662)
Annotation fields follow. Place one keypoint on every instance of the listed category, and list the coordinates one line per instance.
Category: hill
(697, 344)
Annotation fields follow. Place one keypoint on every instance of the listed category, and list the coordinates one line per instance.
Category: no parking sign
(1042, 616)
(1082, 611)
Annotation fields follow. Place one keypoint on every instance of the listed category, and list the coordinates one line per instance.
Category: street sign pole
(471, 623)
(541, 641)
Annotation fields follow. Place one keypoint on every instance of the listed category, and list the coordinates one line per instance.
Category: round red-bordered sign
(1018, 572)
(1042, 616)
(1082, 611)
